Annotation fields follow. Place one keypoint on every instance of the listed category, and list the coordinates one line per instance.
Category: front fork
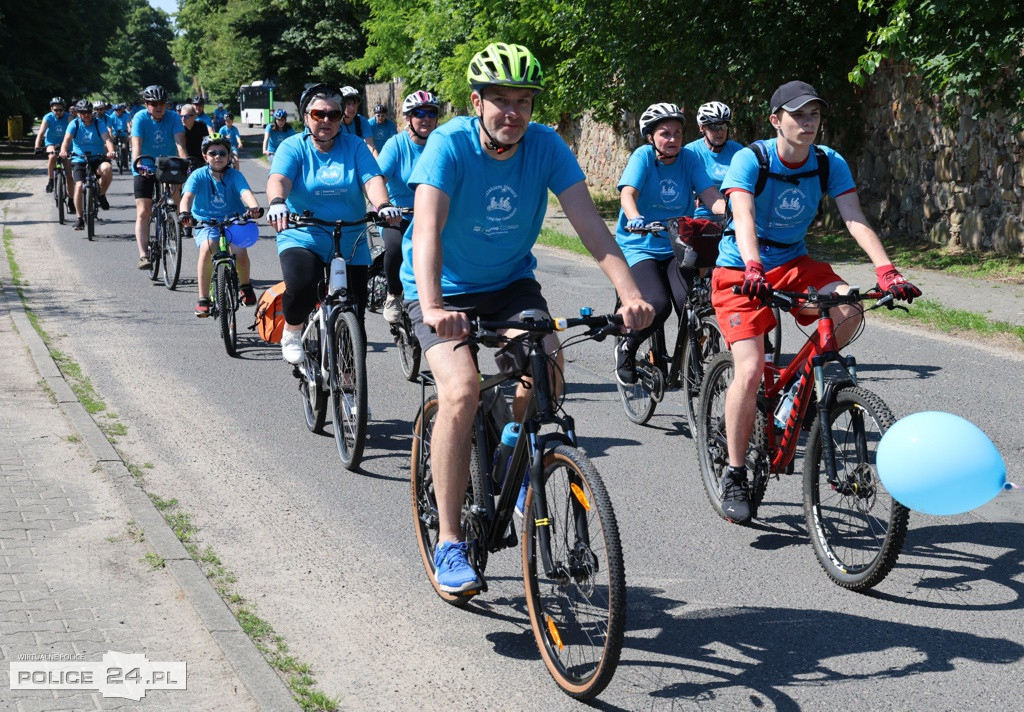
(826, 394)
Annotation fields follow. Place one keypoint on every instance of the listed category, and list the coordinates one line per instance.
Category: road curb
(260, 680)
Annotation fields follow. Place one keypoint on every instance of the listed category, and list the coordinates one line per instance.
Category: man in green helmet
(481, 192)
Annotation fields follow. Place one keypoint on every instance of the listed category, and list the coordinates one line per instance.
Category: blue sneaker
(452, 570)
(521, 502)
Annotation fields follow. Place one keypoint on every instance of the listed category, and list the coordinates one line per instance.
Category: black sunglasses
(321, 115)
(217, 154)
(424, 113)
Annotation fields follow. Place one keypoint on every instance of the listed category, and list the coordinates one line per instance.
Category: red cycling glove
(890, 280)
(755, 286)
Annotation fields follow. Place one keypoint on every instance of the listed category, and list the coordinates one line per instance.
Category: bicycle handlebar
(307, 218)
(659, 226)
(825, 300)
(485, 332)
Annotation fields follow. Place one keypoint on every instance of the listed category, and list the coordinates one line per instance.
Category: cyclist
(658, 183)
(277, 131)
(218, 192)
(230, 132)
(764, 248)
(481, 192)
(326, 172)
(87, 134)
(199, 104)
(218, 116)
(99, 111)
(155, 132)
(355, 123)
(397, 159)
(714, 146)
(119, 123)
(381, 126)
(196, 135)
(51, 134)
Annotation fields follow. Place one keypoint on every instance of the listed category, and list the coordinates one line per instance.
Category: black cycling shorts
(78, 169)
(144, 186)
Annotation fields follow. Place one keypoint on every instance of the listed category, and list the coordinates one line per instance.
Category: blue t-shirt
(396, 160)
(231, 133)
(715, 164)
(664, 192)
(276, 137)
(329, 185)
(205, 119)
(118, 124)
(55, 128)
(382, 131)
(364, 127)
(496, 207)
(216, 199)
(157, 136)
(783, 211)
(218, 114)
(87, 139)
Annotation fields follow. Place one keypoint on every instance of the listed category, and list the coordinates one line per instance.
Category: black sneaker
(49, 186)
(80, 225)
(736, 497)
(625, 364)
(102, 199)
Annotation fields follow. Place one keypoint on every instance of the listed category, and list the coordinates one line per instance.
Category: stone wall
(602, 150)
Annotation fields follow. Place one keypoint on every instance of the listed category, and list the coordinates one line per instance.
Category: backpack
(763, 172)
(269, 314)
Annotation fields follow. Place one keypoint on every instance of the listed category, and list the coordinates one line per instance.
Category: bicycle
(572, 558)
(60, 188)
(123, 152)
(335, 351)
(90, 196)
(164, 247)
(401, 331)
(376, 284)
(698, 338)
(856, 528)
(224, 302)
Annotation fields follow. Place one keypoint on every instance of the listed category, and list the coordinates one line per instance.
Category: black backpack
(763, 172)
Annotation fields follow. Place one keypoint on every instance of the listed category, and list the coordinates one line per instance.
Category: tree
(139, 53)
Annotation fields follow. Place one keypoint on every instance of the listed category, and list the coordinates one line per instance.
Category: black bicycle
(61, 197)
(122, 151)
(90, 195)
(335, 350)
(164, 246)
(572, 558)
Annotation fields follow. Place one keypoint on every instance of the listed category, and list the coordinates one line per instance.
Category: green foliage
(959, 49)
(139, 53)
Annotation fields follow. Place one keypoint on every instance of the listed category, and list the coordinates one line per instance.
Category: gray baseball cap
(792, 95)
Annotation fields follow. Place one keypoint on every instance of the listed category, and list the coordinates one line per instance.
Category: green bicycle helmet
(506, 65)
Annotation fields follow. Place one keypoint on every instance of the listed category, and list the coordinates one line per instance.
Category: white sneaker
(291, 346)
(392, 309)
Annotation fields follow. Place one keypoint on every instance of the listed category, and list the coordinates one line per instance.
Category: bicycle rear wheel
(376, 284)
(408, 347)
(227, 305)
(578, 612)
(641, 398)
(857, 529)
(171, 250)
(314, 398)
(699, 350)
(154, 249)
(349, 389)
(424, 503)
(89, 202)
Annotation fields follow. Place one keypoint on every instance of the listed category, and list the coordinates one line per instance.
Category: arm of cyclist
(627, 198)
(65, 146)
(579, 208)
(713, 198)
(755, 284)
(377, 193)
(185, 209)
(431, 214)
(179, 142)
(40, 135)
(108, 141)
(249, 200)
(889, 278)
(278, 188)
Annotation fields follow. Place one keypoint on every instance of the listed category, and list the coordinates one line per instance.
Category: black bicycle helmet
(154, 92)
(57, 101)
(216, 140)
(309, 94)
(380, 109)
(197, 99)
(83, 105)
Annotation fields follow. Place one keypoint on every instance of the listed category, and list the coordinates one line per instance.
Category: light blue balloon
(939, 463)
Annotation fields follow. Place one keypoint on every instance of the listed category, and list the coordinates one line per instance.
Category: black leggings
(303, 273)
(663, 285)
(393, 256)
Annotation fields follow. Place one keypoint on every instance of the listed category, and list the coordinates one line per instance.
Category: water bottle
(785, 406)
(503, 456)
(339, 277)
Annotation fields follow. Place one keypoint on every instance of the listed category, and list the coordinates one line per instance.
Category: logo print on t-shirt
(218, 201)
(158, 137)
(669, 191)
(329, 175)
(791, 205)
(502, 202)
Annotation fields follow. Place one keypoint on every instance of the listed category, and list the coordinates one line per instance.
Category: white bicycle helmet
(418, 99)
(656, 113)
(349, 93)
(714, 112)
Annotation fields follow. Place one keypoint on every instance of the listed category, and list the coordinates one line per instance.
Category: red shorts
(742, 318)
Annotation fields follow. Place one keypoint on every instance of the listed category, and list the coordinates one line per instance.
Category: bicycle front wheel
(314, 398)
(348, 388)
(856, 527)
(171, 250)
(227, 297)
(578, 610)
(408, 348)
(60, 194)
(699, 350)
(89, 201)
(641, 398)
(154, 248)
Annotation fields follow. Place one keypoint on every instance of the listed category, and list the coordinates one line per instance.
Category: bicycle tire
(89, 202)
(708, 343)
(376, 286)
(408, 348)
(638, 399)
(349, 388)
(226, 298)
(171, 251)
(773, 343)
(857, 532)
(60, 194)
(314, 398)
(154, 250)
(712, 448)
(424, 505)
(579, 616)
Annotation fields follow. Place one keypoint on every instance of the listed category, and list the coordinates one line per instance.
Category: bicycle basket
(171, 169)
(695, 241)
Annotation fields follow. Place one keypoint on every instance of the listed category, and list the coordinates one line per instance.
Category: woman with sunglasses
(326, 172)
(277, 131)
(397, 159)
(714, 146)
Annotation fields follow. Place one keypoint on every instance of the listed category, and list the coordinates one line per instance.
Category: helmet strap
(492, 143)
(422, 137)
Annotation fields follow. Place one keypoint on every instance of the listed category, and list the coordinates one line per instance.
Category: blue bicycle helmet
(280, 114)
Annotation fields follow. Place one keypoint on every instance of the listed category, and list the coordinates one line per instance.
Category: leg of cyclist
(77, 193)
(652, 279)
(301, 270)
(204, 269)
(143, 213)
(392, 265)
(105, 175)
(246, 293)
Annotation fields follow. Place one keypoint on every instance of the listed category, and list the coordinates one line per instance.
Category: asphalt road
(720, 617)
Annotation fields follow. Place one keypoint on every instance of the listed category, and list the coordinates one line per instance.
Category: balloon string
(1010, 486)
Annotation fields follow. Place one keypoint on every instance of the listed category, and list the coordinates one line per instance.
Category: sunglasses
(217, 154)
(188, 116)
(717, 127)
(321, 115)
(156, 103)
(85, 111)
(424, 113)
